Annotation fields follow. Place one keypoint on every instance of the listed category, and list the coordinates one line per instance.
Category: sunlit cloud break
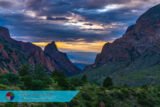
(111, 7)
(104, 9)
(76, 46)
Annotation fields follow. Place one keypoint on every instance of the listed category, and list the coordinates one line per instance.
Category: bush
(9, 79)
(108, 82)
(84, 79)
(35, 78)
(61, 80)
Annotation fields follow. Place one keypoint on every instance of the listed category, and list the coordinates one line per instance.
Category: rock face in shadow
(133, 59)
(14, 53)
(140, 39)
(60, 60)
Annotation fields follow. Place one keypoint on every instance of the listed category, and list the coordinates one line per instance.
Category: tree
(39, 72)
(13, 78)
(25, 70)
(84, 78)
(41, 78)
(75, 82)
(9, 78)
(38, 85)
(34, 77)
(27, 82)
(108, 82)
(61, 79)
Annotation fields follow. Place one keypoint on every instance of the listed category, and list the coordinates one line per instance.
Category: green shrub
(108, 82)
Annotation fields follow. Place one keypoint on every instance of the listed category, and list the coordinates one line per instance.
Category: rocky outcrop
(140, 39)
(14, 53)
(4, 33)
(133, 59)
(60, 60)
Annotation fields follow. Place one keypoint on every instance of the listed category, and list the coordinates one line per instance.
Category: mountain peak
(4, 32)
(151, 13)
(14, 53)
(149, 21)
(51, 47)
(138, 39)
(131, 59)
(60, 59)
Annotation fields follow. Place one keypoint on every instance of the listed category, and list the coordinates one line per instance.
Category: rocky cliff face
(140, 39)
(60, 60)
(135, 57)
(14, 53)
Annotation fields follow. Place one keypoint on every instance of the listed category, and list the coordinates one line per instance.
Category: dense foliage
(91, 95)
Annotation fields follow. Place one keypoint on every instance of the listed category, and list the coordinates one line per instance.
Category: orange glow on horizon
(80, 46)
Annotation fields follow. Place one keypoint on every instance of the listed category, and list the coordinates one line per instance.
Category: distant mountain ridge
(14, 53)
(132, 55)
(80, 65)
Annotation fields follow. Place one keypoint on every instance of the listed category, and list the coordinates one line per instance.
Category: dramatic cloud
(90, 21)
(5, 4)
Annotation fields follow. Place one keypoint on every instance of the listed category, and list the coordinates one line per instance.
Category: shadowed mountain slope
(14, 54)
(129, 59)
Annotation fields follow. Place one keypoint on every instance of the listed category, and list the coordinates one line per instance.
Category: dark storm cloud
(48, 8)
(35, 31)
(45, 20)
(5, 4)
(92, 4)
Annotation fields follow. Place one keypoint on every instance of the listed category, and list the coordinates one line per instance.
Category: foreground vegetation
(91, 95)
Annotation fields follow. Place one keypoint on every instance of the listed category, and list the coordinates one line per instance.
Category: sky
(79, 27)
